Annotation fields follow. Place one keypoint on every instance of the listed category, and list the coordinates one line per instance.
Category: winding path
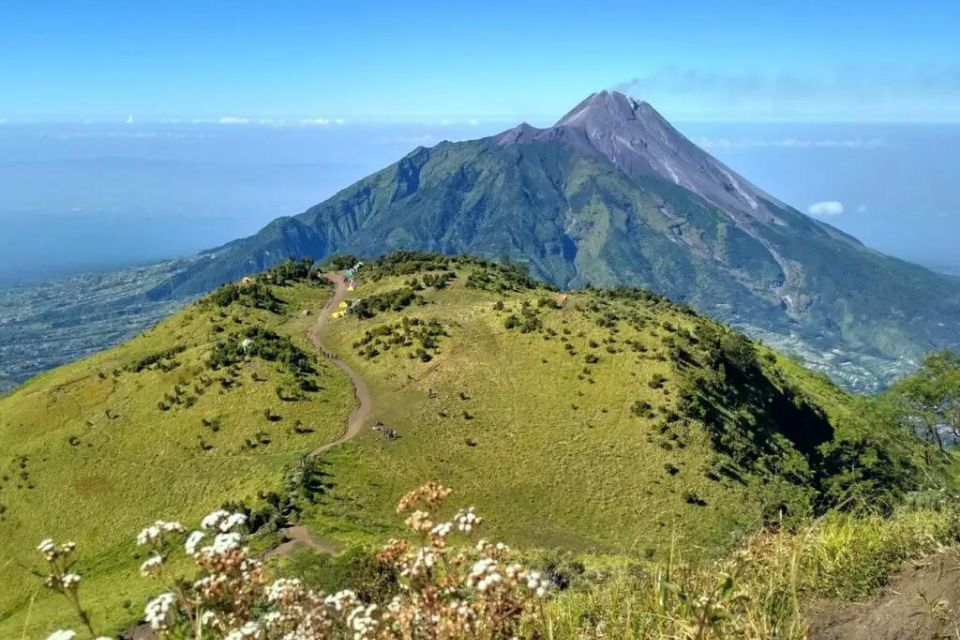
(299, 536)
(358, 417)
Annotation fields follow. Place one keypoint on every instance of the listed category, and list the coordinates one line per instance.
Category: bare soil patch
(920, 602)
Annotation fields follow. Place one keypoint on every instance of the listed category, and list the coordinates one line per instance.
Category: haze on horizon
(132, 133)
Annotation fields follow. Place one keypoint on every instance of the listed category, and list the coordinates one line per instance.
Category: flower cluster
(448, 591)
(157, 532)
(61, 578)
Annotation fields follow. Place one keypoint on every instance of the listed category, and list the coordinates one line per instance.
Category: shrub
(439, 589)
(395, 300)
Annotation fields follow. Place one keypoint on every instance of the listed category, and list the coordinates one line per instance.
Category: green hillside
(618, 422)
(599, 421)
(95, 450)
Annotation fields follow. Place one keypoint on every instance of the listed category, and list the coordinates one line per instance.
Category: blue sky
(421, 61)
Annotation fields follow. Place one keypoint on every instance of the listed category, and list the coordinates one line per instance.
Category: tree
(929, 400)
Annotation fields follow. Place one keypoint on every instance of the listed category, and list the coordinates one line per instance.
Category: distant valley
(48, 323)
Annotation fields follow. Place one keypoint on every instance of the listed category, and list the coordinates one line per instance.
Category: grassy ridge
(95, 450)
(609, 423)
(570, 425)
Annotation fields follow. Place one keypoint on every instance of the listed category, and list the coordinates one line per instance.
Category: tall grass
(762, 591)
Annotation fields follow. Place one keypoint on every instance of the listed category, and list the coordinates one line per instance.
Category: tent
(336, 314)
(344, 304)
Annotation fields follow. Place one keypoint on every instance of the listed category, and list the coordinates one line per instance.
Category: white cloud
(233, 120)
(473, 122)
(826, 208)
(320, 122)
(789, 143)
(876, 93)
(426, 139)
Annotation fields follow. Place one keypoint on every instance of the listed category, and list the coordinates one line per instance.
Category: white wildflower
(159, 612)
(155, 533)
(148, 535)
(192, 541)
(283, 588)
(271, 618)
(170, 527)
(249, 630)
(481, 567)
(231, 521)
(151, 565)
(467, 519)
(340, 600)
(48, 548)
(361, 620)
(213, 519)
(70, 581)
(539, 585)
(225, 542)
(423, 561)
(208, 619)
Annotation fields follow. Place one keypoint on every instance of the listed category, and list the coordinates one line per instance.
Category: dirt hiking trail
(299, 536)
(358, 417)
(920, 602)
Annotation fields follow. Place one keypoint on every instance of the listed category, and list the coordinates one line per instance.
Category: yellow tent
(336, 314)
(344, 304)
(350, 288)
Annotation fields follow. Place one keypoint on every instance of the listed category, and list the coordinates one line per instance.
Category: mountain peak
(632, 135)
(609, 107)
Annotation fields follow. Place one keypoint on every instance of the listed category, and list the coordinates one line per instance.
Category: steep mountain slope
(611, 421)
(614, 195)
